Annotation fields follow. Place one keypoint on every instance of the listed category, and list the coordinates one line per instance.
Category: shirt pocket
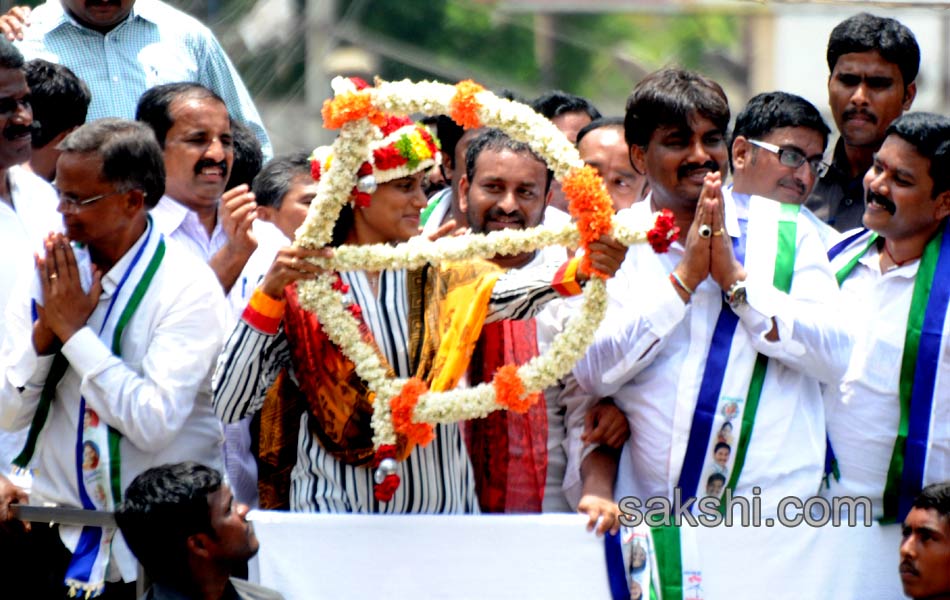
(876, 365)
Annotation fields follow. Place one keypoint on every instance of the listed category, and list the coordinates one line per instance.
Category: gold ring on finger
(53, 276)
(719, 233)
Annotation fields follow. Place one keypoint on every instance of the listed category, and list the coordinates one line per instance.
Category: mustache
(852, 112)
(204, 163)
(495, 213)
(689, 168)
(13, 131)
(888, 205)
(792, 182)
(908, 567)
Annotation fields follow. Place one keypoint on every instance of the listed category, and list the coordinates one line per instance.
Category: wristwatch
(736, 294)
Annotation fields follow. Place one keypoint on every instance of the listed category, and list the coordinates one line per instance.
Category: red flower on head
(664, 232)
(394, 123)
(387, 158)
(364, 170)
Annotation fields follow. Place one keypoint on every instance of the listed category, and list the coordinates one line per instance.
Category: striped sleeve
(246, 369)
(522, 293)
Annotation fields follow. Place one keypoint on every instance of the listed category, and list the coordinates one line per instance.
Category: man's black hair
(598, 124)
(865, 32)
(163, 507)
(930, 134)
(555, 102)
(935, 496)
(669, 98)
(716, 477)
(131, 158)
(496, 140)
(449, 133)
(10, 56)
(60, 100)
(772, 110)
(248, 156)
(722, 445)
(155, 104)
(274, 181)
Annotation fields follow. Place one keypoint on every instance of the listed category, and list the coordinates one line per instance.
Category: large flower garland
(403, 406)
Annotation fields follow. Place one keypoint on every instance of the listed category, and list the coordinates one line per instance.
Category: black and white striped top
(434, 479)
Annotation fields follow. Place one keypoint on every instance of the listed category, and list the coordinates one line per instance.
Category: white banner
(356, 557)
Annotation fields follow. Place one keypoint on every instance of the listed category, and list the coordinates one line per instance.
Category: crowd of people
(157, 361)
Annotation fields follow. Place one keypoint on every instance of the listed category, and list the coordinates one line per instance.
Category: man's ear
(198, 545)
(638, 158)
(910, 92)
(463, 193)
(266, 213)
(549, 195)
(136, 200)
(942, 205)
(741, 152)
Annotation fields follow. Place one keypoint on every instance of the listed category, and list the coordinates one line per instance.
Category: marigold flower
(403, 406)
(509, 390)
(591, 207)
(465, 106)
(348, 107)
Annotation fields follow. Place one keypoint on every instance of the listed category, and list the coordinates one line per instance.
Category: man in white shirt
(113, 373)
(193, 127)
(192, 124)
(888, 420)
(123, 48)
(27, 203)
(680, 361)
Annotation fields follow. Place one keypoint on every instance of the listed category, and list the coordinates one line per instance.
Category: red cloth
(508, 450)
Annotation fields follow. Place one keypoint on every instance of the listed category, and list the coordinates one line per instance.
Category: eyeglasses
(793, 158)
(75, 204)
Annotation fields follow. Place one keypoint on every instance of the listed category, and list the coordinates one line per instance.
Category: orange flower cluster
(403, 406)
(509, 390)
(350, 106)
(591, 207)
(465, 106)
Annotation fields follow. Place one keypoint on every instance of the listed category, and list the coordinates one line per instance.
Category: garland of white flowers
(322, 296)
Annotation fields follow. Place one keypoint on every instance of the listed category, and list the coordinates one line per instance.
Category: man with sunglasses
(873, 63)
(116, 355)
(777, 149)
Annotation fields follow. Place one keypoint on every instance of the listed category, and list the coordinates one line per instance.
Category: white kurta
(651, 353)
(864, 412)
(22, 229)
